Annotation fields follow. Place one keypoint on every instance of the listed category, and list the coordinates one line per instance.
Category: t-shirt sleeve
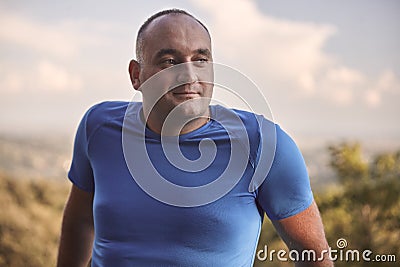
(81, 173)
(286, 191)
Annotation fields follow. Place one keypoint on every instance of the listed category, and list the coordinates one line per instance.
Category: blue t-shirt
(134, 229)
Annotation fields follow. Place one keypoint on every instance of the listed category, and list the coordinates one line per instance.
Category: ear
(134, 71)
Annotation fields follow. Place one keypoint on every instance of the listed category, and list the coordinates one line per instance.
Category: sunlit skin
(168, 41)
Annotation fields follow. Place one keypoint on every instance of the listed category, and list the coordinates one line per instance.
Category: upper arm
(287, 199)
(286, 190)
(77, 230)
(305, 231)
(79, 206)
(81, 173)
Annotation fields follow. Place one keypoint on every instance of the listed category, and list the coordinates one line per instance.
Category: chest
(124, 211)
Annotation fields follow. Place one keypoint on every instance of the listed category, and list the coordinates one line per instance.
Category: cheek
(145, 74)
(158, 79)
(154, 85)
(208, 90)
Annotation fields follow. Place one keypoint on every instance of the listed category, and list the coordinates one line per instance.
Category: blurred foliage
(364, 208)
(30, 221)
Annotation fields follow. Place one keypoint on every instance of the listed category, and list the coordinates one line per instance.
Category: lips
(186, 92)
(186, 95)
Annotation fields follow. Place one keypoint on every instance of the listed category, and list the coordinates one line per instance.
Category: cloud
(372, 98)
(388, 82)
(46, 56)
(54, 77)
(63, 38)
(44, 76)
(11, 82)
(387, 85)
(48, 38)
(269, 47)
(339, 84)
(290, 55)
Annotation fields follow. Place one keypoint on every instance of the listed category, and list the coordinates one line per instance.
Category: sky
(327, 68)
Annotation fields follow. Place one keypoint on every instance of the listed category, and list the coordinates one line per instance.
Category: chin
(192, 109)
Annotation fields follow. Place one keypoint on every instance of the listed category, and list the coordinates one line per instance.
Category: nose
(186, 73)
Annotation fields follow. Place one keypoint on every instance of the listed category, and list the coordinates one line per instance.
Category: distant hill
(31, 157)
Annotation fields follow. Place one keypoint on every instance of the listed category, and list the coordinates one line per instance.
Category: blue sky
(327, 68)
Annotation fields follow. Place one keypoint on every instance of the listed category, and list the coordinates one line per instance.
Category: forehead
(176, 31)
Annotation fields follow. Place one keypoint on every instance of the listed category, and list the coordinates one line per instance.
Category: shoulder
(288, 162)
(286, 189)
(250, 120)
(102, 113)
(286, 147)
(107, 109)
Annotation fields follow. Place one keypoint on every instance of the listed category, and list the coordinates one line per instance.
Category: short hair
(142, 29)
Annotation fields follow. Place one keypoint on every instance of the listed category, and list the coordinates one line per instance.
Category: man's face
(169, 41)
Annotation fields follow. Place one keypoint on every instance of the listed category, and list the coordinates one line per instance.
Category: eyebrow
(204, 51)
(170, 51)
(166, 51)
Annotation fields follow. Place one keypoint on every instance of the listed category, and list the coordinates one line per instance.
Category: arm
(77, 230)
(304, 231)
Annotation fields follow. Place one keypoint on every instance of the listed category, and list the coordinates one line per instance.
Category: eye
(169, 61)
(202, 60)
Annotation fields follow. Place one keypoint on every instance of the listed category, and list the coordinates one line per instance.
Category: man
(113, 219)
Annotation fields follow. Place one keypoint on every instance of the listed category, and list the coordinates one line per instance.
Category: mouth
(186, 93)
